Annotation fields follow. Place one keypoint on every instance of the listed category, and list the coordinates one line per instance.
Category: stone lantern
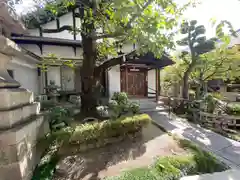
(21, 123)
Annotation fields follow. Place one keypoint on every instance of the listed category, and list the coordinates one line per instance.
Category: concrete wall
(25, 73)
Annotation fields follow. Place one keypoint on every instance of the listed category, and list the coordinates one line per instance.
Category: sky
(217, 9)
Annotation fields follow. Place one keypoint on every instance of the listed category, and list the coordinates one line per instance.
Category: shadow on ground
(222, 146)
(88, 165)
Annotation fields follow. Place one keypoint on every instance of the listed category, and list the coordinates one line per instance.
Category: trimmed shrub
(107, 129)
(233, 109)
(121, 105)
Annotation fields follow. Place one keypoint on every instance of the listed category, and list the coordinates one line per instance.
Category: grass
(174, 167)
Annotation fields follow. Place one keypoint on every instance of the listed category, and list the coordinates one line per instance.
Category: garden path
(225, 149)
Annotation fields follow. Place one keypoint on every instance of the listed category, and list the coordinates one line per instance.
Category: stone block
(19, 153)
(15, 116)
(22, 169)
(12, 98)
(30, 130)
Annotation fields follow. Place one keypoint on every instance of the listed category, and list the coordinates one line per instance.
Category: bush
(107, 129)
(121, 105)
(59, 117)
(233, 109)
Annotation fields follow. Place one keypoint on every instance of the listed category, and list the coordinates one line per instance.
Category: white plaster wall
(66, 19)
(32, 47)
(34, 32)
(151, 82)
(114, 80)
(127, 48)
(51, 25)
(27, 76)
(59, 51)
(53, 74)
(68, 80)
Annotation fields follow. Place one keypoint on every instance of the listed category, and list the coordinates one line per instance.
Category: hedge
(109, 128)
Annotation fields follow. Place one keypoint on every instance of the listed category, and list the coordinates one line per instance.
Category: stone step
(225, 175)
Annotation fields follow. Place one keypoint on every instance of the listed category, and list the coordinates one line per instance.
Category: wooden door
(133, 82)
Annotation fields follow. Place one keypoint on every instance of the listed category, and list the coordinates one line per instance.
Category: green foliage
(150, 24)
(175, 167)
(233, 109)
(59, 117)
(120, 105)
(211, 103)
(217, 95)
(204, 162)
(221, 63)
(106, 129)
(120, 97)
(134, 107)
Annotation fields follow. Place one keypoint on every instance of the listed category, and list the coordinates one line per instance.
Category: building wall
(114, 80)
(68, 78)
(151, 83)
(66, 19)
(26, 74)
(53, 74)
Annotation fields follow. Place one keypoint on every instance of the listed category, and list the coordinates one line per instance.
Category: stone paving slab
(226, 175)
(227, 150)
(231, 153)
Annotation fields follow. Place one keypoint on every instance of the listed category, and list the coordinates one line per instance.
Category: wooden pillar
(126, 78)
(159, 83)
(156, 83)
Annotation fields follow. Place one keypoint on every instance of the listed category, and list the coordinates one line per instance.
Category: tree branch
(111, 62)
(112, 35)
(215, 71)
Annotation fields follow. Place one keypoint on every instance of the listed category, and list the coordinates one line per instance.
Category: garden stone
(103, 111)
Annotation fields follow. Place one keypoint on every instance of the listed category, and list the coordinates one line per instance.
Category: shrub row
(106, 129)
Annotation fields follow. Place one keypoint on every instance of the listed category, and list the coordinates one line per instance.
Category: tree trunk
(88, 98)
(185, 85)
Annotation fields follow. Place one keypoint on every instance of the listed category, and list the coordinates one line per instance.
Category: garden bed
(114, 158)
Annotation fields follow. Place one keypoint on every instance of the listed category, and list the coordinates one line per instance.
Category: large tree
(106, 23)
(196, 44)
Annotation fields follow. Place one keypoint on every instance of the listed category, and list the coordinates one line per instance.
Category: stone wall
(21, 124)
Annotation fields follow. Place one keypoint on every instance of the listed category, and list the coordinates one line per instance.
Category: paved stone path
(225, 149)
(226, 175)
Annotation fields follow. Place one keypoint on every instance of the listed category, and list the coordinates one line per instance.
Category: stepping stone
(225, 175)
